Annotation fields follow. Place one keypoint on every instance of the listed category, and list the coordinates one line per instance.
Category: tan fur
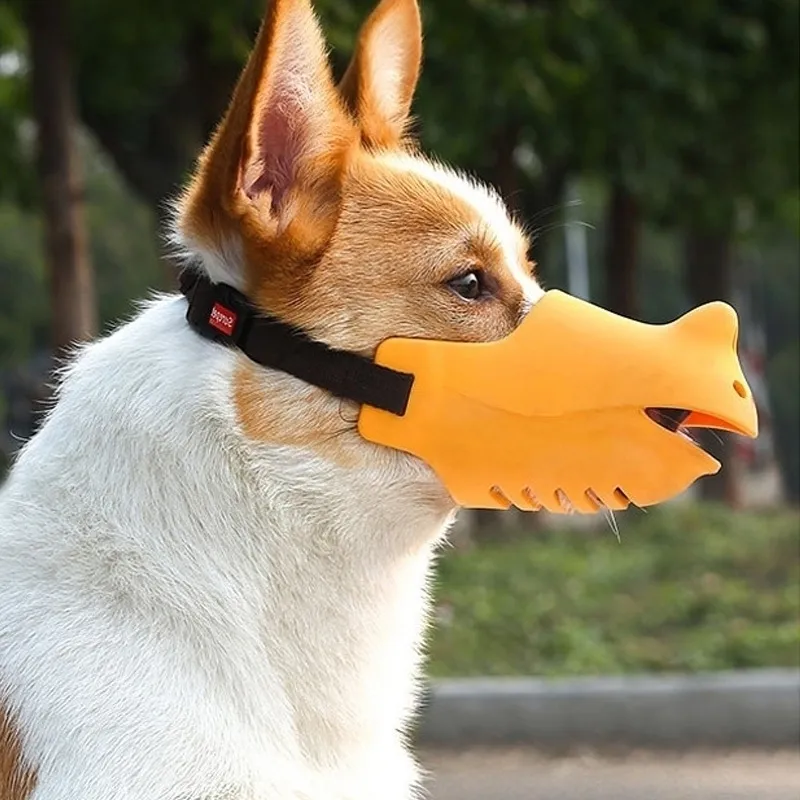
(361, 293)
(216, 206)
(16, 782)
(362, 249)
(363, 94)
(266, 417)
(384, 270)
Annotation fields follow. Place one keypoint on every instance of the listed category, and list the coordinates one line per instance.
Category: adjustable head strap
(223, 314)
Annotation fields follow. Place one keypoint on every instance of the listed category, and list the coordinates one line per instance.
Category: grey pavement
(521, 774)
(732, 710)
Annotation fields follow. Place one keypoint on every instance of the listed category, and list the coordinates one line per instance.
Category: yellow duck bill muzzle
(577, 409)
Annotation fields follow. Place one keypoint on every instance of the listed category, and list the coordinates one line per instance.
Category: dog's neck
(296, 579)
(355, 534)
(345, 600)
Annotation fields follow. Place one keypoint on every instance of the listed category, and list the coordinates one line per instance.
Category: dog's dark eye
(470, 285)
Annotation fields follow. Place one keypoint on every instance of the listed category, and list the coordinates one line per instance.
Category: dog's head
(312, 199)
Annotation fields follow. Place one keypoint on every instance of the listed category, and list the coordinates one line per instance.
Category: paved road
(524, 775)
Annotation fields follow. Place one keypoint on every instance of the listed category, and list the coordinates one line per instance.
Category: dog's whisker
(540, 231)
(343, 407)
(553, 209)
(608, 513)
(338, 433)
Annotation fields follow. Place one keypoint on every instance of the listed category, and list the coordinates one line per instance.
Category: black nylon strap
(223, 314)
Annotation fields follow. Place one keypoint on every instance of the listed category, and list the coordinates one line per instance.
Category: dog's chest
(230, 621)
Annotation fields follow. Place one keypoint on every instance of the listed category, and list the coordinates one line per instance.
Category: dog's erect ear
(295, 125)
(282, 142)
(379, 83)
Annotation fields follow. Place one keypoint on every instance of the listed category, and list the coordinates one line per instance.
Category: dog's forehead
(487, 205)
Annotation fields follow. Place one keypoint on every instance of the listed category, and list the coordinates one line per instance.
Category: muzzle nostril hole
(740, 388)
(594, 499)
(562, 498)
(528, 494)
(621, 497)
(499, 496)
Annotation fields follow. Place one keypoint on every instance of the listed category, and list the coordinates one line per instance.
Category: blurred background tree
(676, 125)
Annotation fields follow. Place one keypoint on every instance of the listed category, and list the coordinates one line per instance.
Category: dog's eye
(470, 285)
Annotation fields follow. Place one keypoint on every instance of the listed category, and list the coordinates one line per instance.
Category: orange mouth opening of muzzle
(578, 409)
(680, 420)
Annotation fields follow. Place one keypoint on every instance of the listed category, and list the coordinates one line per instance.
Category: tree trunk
(73, 309)
(709, 277)
(623, 224)
(504, 173)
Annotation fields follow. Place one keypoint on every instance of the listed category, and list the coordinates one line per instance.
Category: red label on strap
(223, 319)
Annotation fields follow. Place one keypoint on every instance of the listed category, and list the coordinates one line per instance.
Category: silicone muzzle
(577, 409)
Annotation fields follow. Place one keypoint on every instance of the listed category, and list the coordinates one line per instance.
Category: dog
(211, 586)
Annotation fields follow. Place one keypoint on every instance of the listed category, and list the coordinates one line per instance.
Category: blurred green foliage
(691, 107)
(689, 589)
(124, 248)
(16, 173)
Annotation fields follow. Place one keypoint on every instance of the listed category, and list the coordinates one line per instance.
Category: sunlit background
(651, 148)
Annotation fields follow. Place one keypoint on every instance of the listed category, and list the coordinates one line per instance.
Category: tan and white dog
(211, 587)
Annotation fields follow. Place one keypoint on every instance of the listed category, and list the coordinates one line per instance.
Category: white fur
(187, 614)
(486, 202)
(222, 264)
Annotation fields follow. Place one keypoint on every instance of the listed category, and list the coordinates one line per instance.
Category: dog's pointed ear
(296, 122)
(379, 83)
(281, 145)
